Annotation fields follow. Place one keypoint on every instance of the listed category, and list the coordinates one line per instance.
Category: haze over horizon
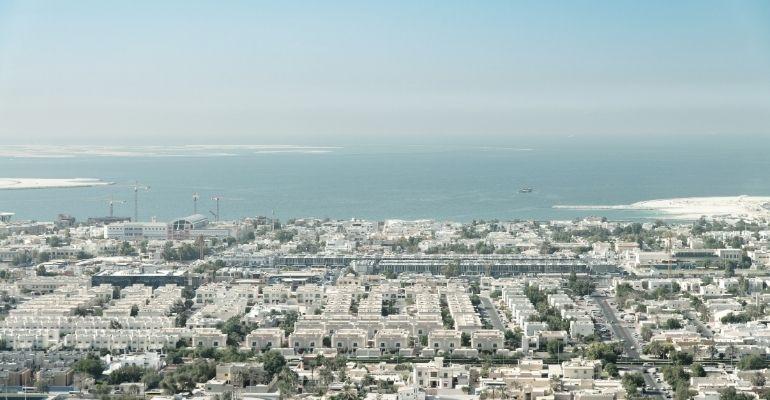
(345, 72)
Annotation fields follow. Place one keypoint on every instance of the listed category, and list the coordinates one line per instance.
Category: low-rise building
(487, 340)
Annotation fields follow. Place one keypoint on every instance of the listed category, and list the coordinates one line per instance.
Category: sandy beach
(748, 207)
(35, 183)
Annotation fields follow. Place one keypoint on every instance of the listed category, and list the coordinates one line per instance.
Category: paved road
(704, 330)
(618, 329)
(494, 318)
(650, 381)
(629, 343)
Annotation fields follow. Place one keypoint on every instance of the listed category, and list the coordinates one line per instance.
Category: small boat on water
(526, 190)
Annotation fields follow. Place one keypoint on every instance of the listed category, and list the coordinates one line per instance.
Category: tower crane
(217, 199)
(112, 203)
(137, 187)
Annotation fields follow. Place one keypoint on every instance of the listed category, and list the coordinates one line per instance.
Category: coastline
(749, 207)
(50, 183)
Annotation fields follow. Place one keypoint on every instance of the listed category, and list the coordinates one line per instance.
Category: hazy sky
(346, 72)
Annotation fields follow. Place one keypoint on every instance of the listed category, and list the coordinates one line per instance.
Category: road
(620, 331)
(630, 345)
(493, 316)
(702, 328)
(651, 382)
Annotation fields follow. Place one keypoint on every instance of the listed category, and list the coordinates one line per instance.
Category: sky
(336, 72)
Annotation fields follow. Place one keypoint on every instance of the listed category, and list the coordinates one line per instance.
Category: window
(355, 344)
(451, 345)
(398, 345)
(382, 345)
(339, 344)
(435, 345)
(312, 344)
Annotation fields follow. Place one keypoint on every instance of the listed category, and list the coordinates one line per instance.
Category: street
(630, 345)
(620, 331)
(492, 315)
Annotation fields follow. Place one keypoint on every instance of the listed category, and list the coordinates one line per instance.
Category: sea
(454, 182)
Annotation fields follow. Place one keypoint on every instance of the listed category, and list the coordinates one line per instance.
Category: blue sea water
(445, 182)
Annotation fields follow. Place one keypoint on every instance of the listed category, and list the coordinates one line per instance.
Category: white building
(487, 340)
(264, 338)
(136, 231)
(446, 340)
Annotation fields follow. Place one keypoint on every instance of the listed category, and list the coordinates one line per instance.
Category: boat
(526, 190)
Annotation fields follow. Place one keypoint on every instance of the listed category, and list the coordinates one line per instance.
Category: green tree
(90, 365)
(697, 370)
(681, 358)
(235, 330)
(451, 269)
(126, 373)
(554, 347)
(659, 350)
(186, 376)
(273, 362)
(288, 381)
(612, 370)
(751, 362)
(607, 352)
(465, 339)
(53, 241)
(631, 382)
(169, 253)
(126, 249)
(151, 379)
(672, 323)
(731, 393)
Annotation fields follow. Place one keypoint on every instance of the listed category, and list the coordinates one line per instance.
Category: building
(349, 339)
(209, 337)
(434, 374)
(264, 338)
(487, 340)
(306, 339)
(391, 339)
(134, 231)
(580, 368)
(125, 278)
(446, 340)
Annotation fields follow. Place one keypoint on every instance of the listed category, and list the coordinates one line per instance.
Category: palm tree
(712, 350)
(556, 385)
(238, 378)
(347, 394)
(731, 352)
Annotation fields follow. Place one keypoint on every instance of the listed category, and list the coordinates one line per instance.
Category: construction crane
(195, 198)
(217, 199)
(216, 214)
(137, 187)
(112, 203)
